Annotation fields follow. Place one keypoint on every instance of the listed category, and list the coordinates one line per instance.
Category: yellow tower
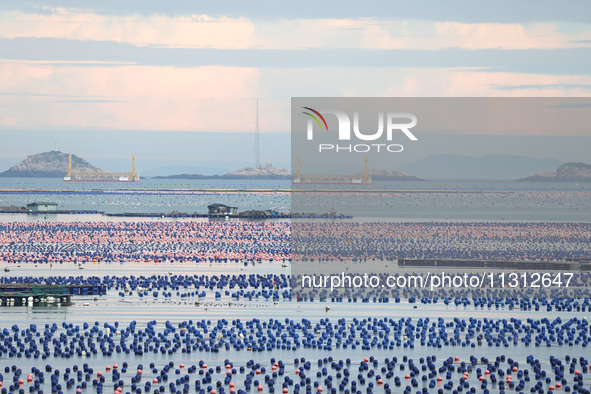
(366, 178)
(69, 166)
(133, 176)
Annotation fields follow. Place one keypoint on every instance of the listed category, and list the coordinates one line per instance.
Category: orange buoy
(260, 388)
(204, 366)
(139, 371)
(115, 366)
(514, 369)
(366, 359)
(258, 372)
(285, 390)
(319, 389)
(297, 371)
(407, 376)
(155, 380)
(232, 384)
(99, 373)
(108, 368)
(456, 359)
(439, 378)
(182, 366)
(551, 388)
(487, 372)
(212, 391)
(21, 381)
(380, 381)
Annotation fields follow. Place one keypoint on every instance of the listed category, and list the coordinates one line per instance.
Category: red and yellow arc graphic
(315, 118)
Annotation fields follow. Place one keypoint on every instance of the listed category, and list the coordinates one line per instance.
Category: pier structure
(101, 176)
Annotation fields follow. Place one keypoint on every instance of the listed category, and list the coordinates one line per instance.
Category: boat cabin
(221, 209)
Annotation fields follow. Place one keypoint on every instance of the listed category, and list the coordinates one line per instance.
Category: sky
(176, 83)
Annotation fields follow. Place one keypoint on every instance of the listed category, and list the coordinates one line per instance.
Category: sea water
(504, 201)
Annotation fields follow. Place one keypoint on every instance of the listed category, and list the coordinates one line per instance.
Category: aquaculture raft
(19, 294)
(68, 290)
(571, 265)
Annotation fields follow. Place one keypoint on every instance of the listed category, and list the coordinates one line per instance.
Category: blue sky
(146, 77)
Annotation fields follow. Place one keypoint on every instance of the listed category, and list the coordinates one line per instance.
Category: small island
(568, 172)
(256, 173)
(53, 164)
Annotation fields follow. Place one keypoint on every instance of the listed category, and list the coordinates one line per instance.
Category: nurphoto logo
(395, 122)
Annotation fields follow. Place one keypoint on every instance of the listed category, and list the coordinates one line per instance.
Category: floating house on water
(42, 207)
(221, 209)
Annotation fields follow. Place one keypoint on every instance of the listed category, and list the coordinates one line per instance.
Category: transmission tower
(257, 149)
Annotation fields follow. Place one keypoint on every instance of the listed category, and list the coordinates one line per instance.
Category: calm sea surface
(416, 201)
(427, 200)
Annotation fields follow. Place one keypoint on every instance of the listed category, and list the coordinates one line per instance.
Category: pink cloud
(133, 97)
(203, 31)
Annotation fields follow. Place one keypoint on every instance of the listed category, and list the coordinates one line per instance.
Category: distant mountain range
(383, 175)
(183, 169)
(52, 164)
(267, 172)
(507, 167)
(568, 172)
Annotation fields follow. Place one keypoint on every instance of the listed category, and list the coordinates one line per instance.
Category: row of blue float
(573, 298)
(71, 341)
(366, 374)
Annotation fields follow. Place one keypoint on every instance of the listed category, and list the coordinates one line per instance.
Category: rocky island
(568, 172)
(52, 164)
(266, 172)
(383, 175)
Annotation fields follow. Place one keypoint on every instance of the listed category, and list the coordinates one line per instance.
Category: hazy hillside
(52, 164)
(484, 167)
(266, 172)
(568, 172)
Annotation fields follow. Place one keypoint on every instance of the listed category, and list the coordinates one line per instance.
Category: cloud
(128, 98)
(203, 31)
(68, 62)
(187, 31)
(9, 121)
(222, 99)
